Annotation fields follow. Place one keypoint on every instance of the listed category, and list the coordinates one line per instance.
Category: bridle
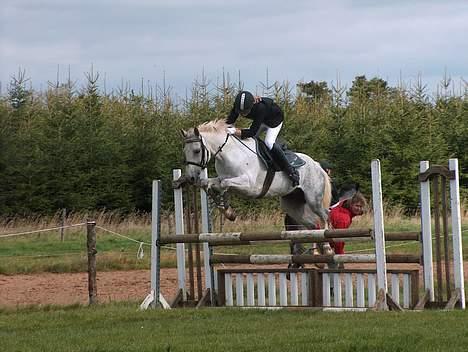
(205, 158)
(206, 155)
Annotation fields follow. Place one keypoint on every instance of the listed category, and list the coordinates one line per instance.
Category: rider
(267, 116)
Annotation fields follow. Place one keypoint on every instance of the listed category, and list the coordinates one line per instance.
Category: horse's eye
(196, 151)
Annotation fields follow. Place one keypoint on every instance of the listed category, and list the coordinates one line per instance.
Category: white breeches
(271, 134)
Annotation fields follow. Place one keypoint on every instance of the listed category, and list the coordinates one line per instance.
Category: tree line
(85, 149)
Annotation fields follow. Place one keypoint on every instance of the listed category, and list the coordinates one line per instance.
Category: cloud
(300, 40)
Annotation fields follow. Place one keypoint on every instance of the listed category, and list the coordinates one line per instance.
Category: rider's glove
(231, 130)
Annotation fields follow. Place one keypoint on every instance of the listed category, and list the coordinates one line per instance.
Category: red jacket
(340, 218)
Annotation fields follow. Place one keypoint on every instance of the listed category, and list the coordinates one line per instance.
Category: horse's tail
(327, 194)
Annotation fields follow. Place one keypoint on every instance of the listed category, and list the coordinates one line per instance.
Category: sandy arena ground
(65, 289)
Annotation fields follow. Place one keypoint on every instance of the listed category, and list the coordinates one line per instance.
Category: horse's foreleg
(237, 184)
(213, 183)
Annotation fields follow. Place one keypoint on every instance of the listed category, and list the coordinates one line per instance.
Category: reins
(245, 145)
(220, 149)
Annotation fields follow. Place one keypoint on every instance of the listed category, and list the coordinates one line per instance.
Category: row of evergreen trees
(80, 148)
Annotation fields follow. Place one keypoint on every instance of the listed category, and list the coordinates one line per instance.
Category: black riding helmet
(244, 102)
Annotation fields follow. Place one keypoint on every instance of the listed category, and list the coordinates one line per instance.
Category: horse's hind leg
(300, 217)
(315, 204)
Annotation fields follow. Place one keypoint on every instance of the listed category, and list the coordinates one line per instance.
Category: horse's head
(196, 154)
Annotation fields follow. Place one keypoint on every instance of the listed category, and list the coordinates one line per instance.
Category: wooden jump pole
(306, 235)
(303, 236)
(309, 259)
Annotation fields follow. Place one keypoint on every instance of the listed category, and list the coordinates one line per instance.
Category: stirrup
(294, 177)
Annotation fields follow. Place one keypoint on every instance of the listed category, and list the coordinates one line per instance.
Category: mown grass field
(122, 327)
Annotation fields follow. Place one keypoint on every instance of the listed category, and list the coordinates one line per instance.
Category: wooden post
(197, 245)
(426, 232)
(91, 244)
(379, 234)
(155, 247)
(446, 235)
(188, 223)
(435, 191)
(456, 230)
(179, 229)
(206, 227)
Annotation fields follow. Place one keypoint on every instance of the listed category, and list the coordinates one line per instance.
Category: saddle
(265, 156)
(272, 167)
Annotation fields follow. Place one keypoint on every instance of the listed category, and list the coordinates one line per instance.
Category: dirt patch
(65, 289)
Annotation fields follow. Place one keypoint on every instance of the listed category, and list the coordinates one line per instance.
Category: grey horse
(240, 170)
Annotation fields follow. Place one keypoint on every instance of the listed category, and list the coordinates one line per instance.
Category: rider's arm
(258, 118)
(232, 117)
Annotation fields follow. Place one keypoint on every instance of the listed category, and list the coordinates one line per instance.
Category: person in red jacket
(342, 214)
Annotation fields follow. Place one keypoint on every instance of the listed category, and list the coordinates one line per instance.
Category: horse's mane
(215, 126)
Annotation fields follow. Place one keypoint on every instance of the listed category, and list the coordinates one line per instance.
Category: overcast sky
(302, 40)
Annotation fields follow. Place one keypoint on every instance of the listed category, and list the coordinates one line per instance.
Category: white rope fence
(39, 231)
(140, 252)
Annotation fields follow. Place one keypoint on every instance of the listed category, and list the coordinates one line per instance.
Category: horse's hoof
(315, 251)
(230, 214)
(178, 183)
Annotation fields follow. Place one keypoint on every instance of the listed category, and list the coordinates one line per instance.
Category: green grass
(46, 253)
(121, 327)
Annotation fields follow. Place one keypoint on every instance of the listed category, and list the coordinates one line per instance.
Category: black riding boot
(283, 163)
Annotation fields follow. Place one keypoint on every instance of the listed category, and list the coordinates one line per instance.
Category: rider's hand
(257, 99)
(231, 130)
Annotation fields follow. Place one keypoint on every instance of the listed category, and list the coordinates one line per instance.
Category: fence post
(456, 230)
(91, 244)
(379, 234)
(206, 227)
(179, 227)
(426, 232)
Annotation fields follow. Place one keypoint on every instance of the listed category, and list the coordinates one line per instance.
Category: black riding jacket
(265, 111)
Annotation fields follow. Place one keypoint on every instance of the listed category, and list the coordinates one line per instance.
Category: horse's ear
(183, 133)
(197, 132)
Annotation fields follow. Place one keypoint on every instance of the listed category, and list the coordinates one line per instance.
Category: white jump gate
(312, 288)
